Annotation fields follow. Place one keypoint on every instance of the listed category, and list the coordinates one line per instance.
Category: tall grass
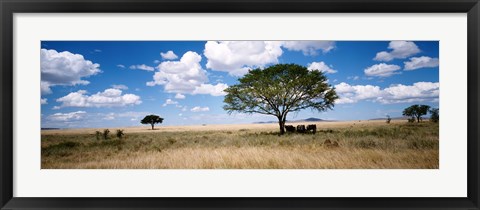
(413, 145)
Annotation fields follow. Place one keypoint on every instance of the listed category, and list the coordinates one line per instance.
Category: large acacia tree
(278, 90)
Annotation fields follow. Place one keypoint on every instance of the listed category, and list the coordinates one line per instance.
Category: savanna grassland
(336, 145)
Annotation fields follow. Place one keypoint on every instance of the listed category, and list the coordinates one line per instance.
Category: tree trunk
(281, 123)
(152, 126)
(418, 119)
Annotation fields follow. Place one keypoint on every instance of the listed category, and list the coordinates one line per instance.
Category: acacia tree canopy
(278, 90)
(152, 120)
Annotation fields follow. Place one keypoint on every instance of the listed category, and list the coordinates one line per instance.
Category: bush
(105, 134)
(98, 134)
(120, 134)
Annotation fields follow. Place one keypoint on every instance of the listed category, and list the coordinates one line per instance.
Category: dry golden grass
(363, 145)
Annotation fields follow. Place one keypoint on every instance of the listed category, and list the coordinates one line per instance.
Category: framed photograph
(239, 105)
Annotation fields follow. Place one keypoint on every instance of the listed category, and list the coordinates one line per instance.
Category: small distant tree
(388, 119)
(434, 114)
(152, 120)
(416, 111)
(105, 134)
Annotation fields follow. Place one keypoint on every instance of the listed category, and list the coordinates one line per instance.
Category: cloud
(109, 116)
(64, 68)
(321, 66)
(43, 101)
(108, 98)
(237, 57)
(71, 116)
(309, 47)
(142, 67)
(180, 76)
(97, 50)
(200, 109)
(120, 87)
(214, 90)
(120, 66)
(168, 55)
(179, 96)
(418, 92)
(352, 94)
(420, 62)
(382, 70)
(398, 93)
(156, 61)
(169, 101)
(184, 76)
(399, 49)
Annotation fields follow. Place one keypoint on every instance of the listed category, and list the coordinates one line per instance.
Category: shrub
(98, 134)
(120, 134)
(388, 119)
(105, 134)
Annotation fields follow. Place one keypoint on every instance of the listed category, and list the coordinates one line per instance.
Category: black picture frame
(10, 7)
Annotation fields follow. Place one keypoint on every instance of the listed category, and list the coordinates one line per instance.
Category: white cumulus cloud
(43, 101)
(184, 76)
(179, 96)
(420, 62)
(214, 90)
(237, 57)
(64, 68)
(142, 67)
(168, 55)
(109, 116)
(321, 66)
(398, 93)
(399, 49)
(108, 98)
(382, 70)
(200, 109)
(418, 92)
(63, 117)
(169, 102)
(180, 76)
(120, 87)
(309, 47)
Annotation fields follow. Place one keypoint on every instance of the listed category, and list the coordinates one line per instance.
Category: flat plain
(365, 144)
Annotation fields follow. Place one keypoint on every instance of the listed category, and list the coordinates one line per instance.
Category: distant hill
(311, 119)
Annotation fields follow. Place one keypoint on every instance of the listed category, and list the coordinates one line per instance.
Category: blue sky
(117, 83)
